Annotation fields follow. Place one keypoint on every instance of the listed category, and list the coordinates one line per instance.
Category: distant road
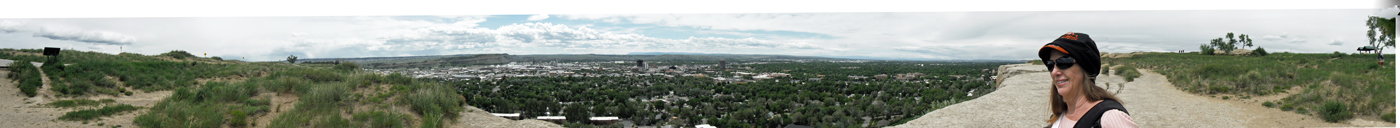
(6, 63)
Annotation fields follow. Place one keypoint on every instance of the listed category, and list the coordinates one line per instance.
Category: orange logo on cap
(1070, 36)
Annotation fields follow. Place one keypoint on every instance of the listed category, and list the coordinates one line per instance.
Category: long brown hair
(1088, 89)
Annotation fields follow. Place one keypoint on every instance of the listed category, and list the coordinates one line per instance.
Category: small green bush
(1259, 52)
(74, 103)
(239, 118)
(333, 121)
(1219, 89)
(347, 66)
(1389, 117)
(1269, 104)
(380, 119)
(432, 121)
(1207, 49)
(1129, 73)
(439, 100)
(217, 58)
(28, 76)
(1334, 111)
(178, 54)
(95, 113)
(1286, 107)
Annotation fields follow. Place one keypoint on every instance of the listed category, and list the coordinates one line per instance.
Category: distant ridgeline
(502, 58)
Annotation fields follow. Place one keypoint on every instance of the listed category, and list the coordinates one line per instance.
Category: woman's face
(1066, 79)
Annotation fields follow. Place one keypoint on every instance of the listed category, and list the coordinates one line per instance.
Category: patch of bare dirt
(474, 117)
(281, 103)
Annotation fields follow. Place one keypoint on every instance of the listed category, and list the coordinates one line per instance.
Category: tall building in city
(640, 64)
(721, 65)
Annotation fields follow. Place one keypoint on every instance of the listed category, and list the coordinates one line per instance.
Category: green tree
(291, 59)
(576, 113)
(1386, 29)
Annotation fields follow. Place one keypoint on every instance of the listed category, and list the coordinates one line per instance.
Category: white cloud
(68, 33)
(538, 17)
(1390, 12)
(1335, 43)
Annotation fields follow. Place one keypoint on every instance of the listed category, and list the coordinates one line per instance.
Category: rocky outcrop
(1006, 71)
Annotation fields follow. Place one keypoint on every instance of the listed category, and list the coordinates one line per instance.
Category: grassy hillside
(1335, 86)
(209, 92)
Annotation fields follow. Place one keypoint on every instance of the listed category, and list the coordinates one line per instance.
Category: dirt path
(474, 117)
(16, 110)
(1151, 100)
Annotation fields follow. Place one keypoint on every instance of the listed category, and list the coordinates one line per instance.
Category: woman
(1073, 60)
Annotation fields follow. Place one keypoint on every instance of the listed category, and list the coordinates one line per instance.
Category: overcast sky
(1005, 35)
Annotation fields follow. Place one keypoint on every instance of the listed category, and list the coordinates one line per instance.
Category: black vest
(1091, 118)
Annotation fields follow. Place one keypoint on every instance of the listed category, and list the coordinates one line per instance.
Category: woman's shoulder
(1117, 119)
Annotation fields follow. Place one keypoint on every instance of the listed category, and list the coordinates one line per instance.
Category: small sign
(51, 51)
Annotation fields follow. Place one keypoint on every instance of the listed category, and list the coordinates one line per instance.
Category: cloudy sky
(1003, 35)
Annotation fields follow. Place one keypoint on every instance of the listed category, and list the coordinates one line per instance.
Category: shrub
(1207, 50)
(1259, 52)
(324, 97)
(182, 114)
(178, 54)
(347, 66)
(74, 103)
(313, 74)
(1128, 72)
(1333, 111)
(238, 118)
(1389, 117)
(217, 58)
(1219, 89)
(1269, 104)
(28, 76)
(380, 119)
(332, 121)
(95, 113)
(434, 100)
(1286, 107)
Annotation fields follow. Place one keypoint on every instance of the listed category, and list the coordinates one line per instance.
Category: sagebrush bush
(434, 100)
(1333, 111)
(1259, 52)
(76, 103)
(324, 98)
(95, 113)
(28, 77)
(178, 54)
(347, 66)
(239, 118)
(182, 114)
(1269, 104)
(380, 119)
(1389, 117)
(1286, 107)
(312, 74)
(1129, 73)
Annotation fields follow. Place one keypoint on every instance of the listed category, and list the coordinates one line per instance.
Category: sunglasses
(1062, 63)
